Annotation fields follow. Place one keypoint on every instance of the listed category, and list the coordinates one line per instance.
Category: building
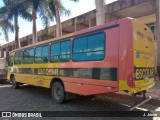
(147, 11)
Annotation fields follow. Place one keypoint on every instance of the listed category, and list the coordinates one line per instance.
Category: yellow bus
(116, 56)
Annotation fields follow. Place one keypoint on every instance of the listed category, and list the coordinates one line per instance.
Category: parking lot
(30, 98)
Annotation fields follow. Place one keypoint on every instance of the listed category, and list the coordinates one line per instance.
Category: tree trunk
(100, 13)
(16, 27)
(58, 19)
(34, 30)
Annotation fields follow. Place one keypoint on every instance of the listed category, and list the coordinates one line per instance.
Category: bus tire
(15, 85)
(58, 93)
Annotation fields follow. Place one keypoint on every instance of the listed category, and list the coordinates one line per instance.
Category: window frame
(65, 40)
(11, 58)
(28, 57)
(87, 43)
(18, 51)
(41, 54)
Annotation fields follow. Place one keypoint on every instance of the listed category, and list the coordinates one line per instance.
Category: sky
(25, 28)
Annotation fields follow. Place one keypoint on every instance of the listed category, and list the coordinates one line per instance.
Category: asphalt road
(30, 98)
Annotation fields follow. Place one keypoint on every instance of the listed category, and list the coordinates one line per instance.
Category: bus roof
(71, 34)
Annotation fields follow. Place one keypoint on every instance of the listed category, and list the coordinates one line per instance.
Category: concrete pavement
(155, 91)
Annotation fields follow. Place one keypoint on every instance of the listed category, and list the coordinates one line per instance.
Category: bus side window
(28, 56)
(20, 57)
(41, 54)
(31, 55)
(25, 59)
(10, 62)
(16, 61)
(89, 47)
(65, 51)
(60, 52)
(55, 51)
(45, 53)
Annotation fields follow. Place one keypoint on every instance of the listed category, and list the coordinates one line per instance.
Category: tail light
(130, 80)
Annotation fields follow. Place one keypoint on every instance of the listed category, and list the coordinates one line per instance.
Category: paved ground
(29, 98)
(155, 91)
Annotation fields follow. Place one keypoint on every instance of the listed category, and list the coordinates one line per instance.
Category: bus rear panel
(140, 58)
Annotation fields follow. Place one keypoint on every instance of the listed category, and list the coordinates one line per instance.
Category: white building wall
(4, 54)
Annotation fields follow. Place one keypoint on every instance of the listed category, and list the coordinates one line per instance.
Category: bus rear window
(89, 48)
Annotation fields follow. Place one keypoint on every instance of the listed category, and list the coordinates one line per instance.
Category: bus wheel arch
(15, 84)
(12, 75)
(58, 90)
(56, 80)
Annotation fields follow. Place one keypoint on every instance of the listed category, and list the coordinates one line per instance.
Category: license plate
(143, 73)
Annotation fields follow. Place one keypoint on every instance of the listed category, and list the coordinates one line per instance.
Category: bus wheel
(58, 93)
(15, 85)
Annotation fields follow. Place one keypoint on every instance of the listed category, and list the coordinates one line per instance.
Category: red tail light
(130, 81)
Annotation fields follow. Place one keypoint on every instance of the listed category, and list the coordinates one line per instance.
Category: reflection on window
(18, 57)
(60, 52)
(28, 56)
(89, 47)
(41, 54)
(10, 60)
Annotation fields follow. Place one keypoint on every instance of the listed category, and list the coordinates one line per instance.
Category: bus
(3, 70)
(116, 56)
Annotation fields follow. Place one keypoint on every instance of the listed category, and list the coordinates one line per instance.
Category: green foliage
(62, 10)
(6, 27)
(10, 12)
(13, 9)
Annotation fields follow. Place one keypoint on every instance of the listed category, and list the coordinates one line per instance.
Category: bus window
(89, 47)
(28, 56)
(60, 52)
(10, 62)
(41, 54)
(18, 57)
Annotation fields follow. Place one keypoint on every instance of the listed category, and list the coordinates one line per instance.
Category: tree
(46, 11)
(100, 13)
(58, 9)
(6, 27)
(11, 10)
(41, 8)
